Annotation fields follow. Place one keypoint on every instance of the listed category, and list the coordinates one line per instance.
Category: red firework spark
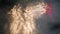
(50, 10)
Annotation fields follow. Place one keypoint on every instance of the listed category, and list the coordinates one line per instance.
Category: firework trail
(24, 22)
